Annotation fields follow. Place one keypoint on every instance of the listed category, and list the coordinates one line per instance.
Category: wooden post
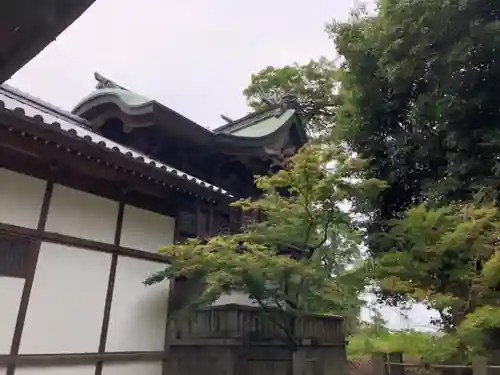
(299, 362)
(379, 366)
(479, 366)
(493, 359)
(201, 221)
(395, 358)
(211, 221)
(234, 220)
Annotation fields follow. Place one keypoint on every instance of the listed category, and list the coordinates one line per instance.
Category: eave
(149, 113)
(106, 104)
(66, 134)
(247, 135)
(260, 141)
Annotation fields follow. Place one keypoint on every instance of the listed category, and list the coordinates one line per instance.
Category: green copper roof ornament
(289, 97)
(270, 102)
(104, 83)
(289, 101)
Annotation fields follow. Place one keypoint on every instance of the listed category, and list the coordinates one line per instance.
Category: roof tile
(21, 103)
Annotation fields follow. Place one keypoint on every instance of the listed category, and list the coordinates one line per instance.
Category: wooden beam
(29, 360)
(45, 161)
(109, 292)
(63, 239)
(32, 261)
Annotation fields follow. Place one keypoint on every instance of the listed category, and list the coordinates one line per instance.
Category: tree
(418, 100)
(447, 258)
(373, 336)
(425, 346)
(415, 97)
(302, 217)
(314, 84)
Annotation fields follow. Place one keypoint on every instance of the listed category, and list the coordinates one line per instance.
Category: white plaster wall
(138, 313)
(21, 198)
(235, 297)
(143, 368)
(3, 370)
(59, 370)
(11, 290)
(67, 301)
(83, 215)
(146, 230)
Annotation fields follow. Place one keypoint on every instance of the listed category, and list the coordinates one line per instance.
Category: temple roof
(108, 91)
(258, 125)
(223, 160)
(111, 100)
(129, 99)
(50, 119)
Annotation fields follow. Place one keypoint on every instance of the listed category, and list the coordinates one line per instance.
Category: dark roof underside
(28, 26)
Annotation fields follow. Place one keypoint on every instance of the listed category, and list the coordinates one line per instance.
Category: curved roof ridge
(104, 87)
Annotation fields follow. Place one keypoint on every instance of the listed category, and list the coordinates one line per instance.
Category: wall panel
(66, 305)
(83, 215)
(235, 297)
(11, 290)
(146, 230)
(138, 313)
(142, 368)
(59, 370)
(21, 198)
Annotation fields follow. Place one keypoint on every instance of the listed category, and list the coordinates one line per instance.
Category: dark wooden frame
(109, 293)
(23, 306)
(72, 359)
(35, 237)
(30, 148)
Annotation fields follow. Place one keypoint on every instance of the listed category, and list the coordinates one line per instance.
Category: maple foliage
(301, 207)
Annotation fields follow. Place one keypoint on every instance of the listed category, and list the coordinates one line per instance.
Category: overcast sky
(193, 56)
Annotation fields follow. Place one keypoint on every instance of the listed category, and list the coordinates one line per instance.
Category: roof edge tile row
(17, 102)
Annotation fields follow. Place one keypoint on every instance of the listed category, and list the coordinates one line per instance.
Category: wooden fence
(393, 364)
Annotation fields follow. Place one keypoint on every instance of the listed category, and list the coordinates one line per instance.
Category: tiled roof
(14, 100)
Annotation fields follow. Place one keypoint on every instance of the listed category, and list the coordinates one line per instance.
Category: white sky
(193, 56)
